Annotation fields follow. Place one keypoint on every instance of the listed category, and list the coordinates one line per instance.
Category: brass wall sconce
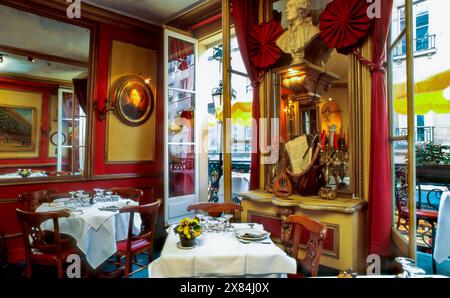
(101, 112)
(45, 132)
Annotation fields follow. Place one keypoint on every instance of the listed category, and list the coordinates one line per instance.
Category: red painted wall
(46, 90)
(152, 172)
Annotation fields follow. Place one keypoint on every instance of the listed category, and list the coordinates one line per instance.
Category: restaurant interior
(224, 138)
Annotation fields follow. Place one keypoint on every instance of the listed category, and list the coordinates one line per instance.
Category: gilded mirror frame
(357, 107)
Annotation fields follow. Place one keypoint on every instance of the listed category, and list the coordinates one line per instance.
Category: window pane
(422, 20)
(236, 58)
(181, 64)
(181, 117)
(181, 170)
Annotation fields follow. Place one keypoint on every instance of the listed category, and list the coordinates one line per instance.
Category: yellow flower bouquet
(188, 229)
(24, 173)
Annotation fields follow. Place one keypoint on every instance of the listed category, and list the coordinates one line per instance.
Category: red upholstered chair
(30, 201)
(215, 209)
(309, 265)
(131, 193)
(45, 247)
(135, 245)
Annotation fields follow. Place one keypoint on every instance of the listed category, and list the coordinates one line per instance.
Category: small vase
(187, 242)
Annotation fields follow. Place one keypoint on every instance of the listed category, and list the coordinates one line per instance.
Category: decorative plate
(251, 234)
(184, 247)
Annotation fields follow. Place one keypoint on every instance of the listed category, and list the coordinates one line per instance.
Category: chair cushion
(67, 242)
(135, 245)
(429, 214)
(40, 257)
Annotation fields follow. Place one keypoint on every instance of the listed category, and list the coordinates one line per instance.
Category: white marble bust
(301, 30)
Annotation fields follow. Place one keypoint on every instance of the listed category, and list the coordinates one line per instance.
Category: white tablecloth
(15, 175)
(221, 255)
(442, 241)
(240, 182)
(95, 231)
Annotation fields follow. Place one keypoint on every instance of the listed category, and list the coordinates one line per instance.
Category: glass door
(181, 158)
(71, 145)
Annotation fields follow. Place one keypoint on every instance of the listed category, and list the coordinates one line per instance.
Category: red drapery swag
(343, 24)
(380, 183)
(80, 87)
(245, 16)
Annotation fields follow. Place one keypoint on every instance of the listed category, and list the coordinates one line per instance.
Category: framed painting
(17, 129)
(133, 101)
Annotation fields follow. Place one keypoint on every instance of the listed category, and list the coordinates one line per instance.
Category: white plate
(61, 200)
(109, 208)
(56, 205)
(251, 234)
(186, 248)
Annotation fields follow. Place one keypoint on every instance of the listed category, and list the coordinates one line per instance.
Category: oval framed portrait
(133, 101)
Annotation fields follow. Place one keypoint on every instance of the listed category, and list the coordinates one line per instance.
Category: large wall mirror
(44, 91)
(319, 105)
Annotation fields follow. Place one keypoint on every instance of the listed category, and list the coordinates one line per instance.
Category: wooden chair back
(30, 201)
(33, 235)
(317, 233)
(131, 193)
(215, 209)
(149, 215)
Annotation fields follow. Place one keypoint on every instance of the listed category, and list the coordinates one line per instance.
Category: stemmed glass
(99, 195)
(108, 196)
(207, 225)
(223, 224)
(228, 216)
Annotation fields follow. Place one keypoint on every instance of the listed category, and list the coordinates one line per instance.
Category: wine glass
(228, 216)
(207, 223)
(222, 224)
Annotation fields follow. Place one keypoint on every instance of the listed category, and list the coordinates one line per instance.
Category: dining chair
(143, 242)
(131, 193)
(30, 201)
(309, 265)
(43, 247)
(215, 209)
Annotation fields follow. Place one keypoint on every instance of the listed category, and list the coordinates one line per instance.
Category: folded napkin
(95, 218)
(49, 207)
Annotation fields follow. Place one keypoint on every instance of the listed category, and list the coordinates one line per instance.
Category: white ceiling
(19, 66)
(27, 31)
(150, 11)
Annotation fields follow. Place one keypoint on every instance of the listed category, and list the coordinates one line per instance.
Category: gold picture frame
(133, 101)
(17, 128)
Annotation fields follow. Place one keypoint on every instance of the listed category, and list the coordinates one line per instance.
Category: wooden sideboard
(344, 246)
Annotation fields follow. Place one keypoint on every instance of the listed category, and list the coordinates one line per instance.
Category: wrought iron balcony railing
(424, 134)
(421, 44)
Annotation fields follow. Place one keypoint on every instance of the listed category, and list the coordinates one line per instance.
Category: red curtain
(245, 16)
(80, 87)
(380, 183)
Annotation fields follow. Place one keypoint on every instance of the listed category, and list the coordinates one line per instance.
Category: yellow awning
(429, 95)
